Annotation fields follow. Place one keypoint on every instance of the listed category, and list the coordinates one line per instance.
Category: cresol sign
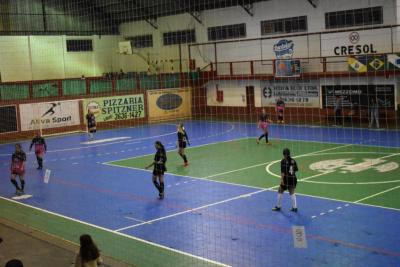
(356, 42)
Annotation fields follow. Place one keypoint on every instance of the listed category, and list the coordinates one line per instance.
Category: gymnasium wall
(24, 58)
(306, 46)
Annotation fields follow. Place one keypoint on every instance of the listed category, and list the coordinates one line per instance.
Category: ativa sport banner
(49, 115)
(294, 93)
(169, 104)
(115, 108)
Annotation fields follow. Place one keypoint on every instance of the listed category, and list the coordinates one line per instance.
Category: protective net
(103, 80)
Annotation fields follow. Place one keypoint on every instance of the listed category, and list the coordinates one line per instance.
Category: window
(227, 32)
(354, 17)
(79, 45)
(179, 37)
(287, 25)
(141, 41)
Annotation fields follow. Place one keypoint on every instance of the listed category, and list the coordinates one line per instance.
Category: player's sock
(261, 137)
(266, 137)
(162, 187)
(22, 185)
(157, 185)
(294, 202)
(184, 158)
(40, 162)
(15, 184)
(279, 202)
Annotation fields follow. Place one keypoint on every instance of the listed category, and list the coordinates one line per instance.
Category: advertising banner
(167, 104)
(354, 96)
(46, 115)
(293, 93)
(114, 108)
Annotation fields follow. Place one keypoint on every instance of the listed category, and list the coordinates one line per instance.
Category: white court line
(188, 148)
(118, 233)
(133, 219)
(191, 210)
(377, 194)
(98, 141)
(215, 203)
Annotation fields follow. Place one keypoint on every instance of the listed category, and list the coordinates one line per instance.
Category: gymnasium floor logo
(350, 165)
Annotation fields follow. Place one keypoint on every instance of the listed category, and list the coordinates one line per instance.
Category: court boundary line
(117, 233)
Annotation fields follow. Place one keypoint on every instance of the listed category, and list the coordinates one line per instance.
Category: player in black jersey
(91, 123)
(263, 123)
(40, 149)
(288, 180)
(18, 160)
(183, 140)
(160, 158)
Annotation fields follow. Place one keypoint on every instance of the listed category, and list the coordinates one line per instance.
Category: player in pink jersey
(263, 123)
(40, 148)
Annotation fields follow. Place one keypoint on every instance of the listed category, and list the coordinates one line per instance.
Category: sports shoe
(39, 168)
(258, 141)
(17, 192)
(293, 209)
(276, 208)
(186, 164)
(161, 195)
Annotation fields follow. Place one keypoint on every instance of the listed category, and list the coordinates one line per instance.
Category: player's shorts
(182, 144)
(92, 129)
(159, 170)
(264, 125)
(280, 109)
(17, 169)
(39, 150)
(288, 185)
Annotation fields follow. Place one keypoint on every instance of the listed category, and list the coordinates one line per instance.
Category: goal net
(246, 79)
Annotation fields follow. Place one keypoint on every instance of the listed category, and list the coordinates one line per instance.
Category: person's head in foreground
(88, 250)
(14, 263)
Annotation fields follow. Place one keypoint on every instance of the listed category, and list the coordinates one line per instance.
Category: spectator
(280, 108)
(121, 74)
(89, 254)
(14, 263)
(374, 111)
(338, 109)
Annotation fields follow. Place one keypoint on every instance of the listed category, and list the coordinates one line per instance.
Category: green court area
(352, 173)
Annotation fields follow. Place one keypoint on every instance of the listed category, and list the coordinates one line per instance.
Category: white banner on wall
(46, 115)
(356, 42)
(293, 93)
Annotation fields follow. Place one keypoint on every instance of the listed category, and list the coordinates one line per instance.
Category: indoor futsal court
(203, 133)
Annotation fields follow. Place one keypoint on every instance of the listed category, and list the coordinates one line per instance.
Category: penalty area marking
(306, 179)
(99, 141)
(22, 197)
